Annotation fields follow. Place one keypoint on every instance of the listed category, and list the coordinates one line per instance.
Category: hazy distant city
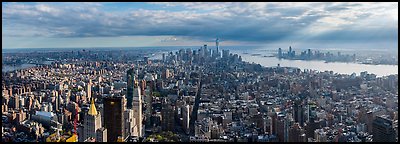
(199, 72)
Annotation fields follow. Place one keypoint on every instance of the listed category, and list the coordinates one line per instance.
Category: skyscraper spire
(92, 109)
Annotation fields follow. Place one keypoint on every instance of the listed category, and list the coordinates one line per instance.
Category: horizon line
(116, 47)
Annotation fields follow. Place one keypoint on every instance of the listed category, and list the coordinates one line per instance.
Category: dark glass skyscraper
(299, 112)
(130, 76)
(114, 117)
(382, 130)
(279, 53)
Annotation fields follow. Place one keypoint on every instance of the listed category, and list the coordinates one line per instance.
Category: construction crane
(76, 121)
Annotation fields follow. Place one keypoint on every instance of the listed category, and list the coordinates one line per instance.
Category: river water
(7, 68)
(336, 67)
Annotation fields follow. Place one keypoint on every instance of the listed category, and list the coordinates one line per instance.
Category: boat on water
(268, 56)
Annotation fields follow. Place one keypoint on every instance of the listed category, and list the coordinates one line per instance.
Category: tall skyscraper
(298, 112)
(279, 53)
(56, 101)
(92, 122)
(114, 117)
(167, 116)
(89, 90)
(165, 74)
(148, 103)
(186, 118)
(130, 87)
(312, 124)
(137, 110)
(382, 130)
(163, 57)
(129, 122)
(217, 45)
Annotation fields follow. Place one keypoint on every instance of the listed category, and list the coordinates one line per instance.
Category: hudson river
(336, 67)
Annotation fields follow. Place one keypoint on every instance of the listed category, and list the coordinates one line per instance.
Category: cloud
(169, 39)
(247, 22)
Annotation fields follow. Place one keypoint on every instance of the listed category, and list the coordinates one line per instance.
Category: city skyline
(192, 95)
(199, 72)
(138, 24)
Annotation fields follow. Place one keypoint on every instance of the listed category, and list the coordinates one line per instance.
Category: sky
(141, 24)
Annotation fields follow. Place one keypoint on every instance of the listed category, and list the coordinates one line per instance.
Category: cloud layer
(242, 22)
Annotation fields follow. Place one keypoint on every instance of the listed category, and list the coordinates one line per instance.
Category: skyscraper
(186, 118)
(165, 74)
(92, 122)
(298, 112)
(130, 87)
(382, 130)
(225, 53)
(113, 119)
(101, 135)
(279, 53)
(217, 44)
(57, 100)
(163, 57)
(167, 116)
(129, 122)
(137, 110)
(89, 90)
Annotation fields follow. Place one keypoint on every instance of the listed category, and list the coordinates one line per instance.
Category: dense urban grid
(196, 95)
